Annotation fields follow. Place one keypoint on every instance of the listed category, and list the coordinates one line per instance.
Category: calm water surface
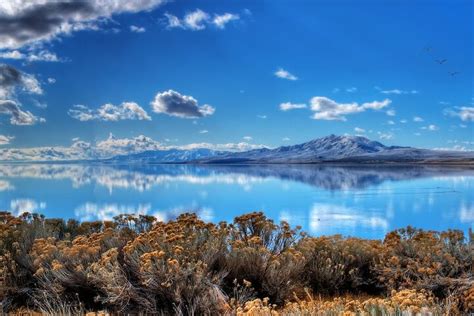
(357, 201)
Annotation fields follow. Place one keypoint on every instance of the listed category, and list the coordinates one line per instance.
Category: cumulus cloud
(28, 22)
(292, 106)
(17, 115)
(12, 80)
(5, 140)
(327, 109)
(284, 74)
(110, 112)
(465, 113)
(418, 119)
(175, 104)
(198, 20)
(137, 29)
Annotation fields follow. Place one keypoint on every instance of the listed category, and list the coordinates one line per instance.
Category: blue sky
(342, 67)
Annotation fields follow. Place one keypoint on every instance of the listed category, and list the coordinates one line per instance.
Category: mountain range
(329, 149)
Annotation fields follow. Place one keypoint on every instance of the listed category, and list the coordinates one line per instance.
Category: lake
(363, 201)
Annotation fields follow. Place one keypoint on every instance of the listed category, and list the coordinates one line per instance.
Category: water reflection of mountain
(143, 177)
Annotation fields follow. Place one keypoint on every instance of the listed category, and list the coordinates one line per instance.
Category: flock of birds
(441, 61)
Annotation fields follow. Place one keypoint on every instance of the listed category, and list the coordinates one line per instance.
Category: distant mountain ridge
(331, 148)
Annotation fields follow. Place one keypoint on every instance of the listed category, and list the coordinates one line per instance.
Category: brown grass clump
(253, 266)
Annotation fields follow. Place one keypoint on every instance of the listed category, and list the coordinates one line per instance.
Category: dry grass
(250, 267)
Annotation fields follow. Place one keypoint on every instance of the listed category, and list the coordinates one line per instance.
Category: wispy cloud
(198, 20)
(359, 130)
(430, 127)
(385, 135)
(203, 131)
(137, 29)
(396, 91)
(418, 119)
(287, 106)
(391, 112)
(284, 74)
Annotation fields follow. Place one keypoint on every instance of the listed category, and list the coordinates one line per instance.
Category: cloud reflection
(145, 177)
(329, 218)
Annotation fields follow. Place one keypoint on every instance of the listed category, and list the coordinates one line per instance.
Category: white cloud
(220, 21)
(198, 20)
(175, 104)
(417, 119)
(262, 116)
(391, 112)
(247, 138)
(327, 109)
(110, 112)
(403, 121)
(397, 91)
(359, 130)
(5, 140)
(13, 81)
(430, 127)
(137, 29)
(27, 23)
(31, 56)
(286, 139)
(385, 136)
(51, 80)
(390, 122)
(284, 74)
(292, 106)
(351, 89)
(204, 131)
(465, 113)
(17, 115)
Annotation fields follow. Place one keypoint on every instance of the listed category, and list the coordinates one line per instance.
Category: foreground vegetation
(250, 267)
